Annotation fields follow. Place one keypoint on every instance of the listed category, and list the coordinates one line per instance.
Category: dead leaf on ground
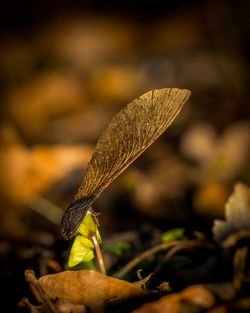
(237, 212)
(239, 261)
(27, 171)
(224, 291)
(209, 199)
(34, 104)
(65, 306)
(234, 238)
(219, 157)
(188, 299)
(88, 287)
(218, 309)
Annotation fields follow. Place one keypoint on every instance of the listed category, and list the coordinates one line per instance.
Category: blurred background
(67, 68)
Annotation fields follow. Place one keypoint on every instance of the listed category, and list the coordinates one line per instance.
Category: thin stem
(162, 246)
(99, 254)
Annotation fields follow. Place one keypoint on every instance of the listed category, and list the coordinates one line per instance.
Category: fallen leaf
(240, 262)
(199, 143)
(88, 287)
(237, 212)
(108, 82)
(156, 186)
(234, 238)
(65, 306)
(241, 305)
(187, 300)
(209, 199)
(218, 309)
(79, 41)
(219, 158)
(199, 296)
(224, 291)
(36, 103)
(25, 171)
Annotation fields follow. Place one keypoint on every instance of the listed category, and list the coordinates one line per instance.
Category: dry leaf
(209, 199)
(79, 41)
(187, 300)
(164, 181)
(240, 261)
(199, 296)
(199, 143)
(25, 172)
(108, 82)
(218, 309)
(219, 157)
(128, 135)
(33, 105)
(237, 212)
(224, 291)
(65, 306)
(88, 287)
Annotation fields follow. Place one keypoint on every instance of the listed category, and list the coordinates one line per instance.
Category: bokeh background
(67, 68)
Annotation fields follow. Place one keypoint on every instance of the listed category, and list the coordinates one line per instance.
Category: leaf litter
(76, 291)
(161, 290)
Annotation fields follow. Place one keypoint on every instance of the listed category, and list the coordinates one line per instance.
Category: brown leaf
(218, 157)
(25, 172)
(87, 287)
(65, 306)
(218, 309)
(128, 135)
(35, 104)
(209, 199)
(188, 299)
(199, 296)
(237, 213)
(240, 267)
(241, 305)
(234, 238)
(224, 291)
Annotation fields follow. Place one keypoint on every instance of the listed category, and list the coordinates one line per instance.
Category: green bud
(81, 251)
(89, 228)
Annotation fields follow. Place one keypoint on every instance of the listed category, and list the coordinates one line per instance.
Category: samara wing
(127, 136)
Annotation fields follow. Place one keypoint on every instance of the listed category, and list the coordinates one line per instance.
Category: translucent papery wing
(128, 135)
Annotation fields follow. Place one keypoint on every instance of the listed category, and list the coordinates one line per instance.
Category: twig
(31, 278)
(25, 303)
(142, 282)
(99, 255)
(156, 249)
(171, 253)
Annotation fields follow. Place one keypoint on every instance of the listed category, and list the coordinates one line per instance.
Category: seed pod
(127, 136)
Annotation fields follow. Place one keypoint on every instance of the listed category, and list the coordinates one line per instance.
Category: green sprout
(173, 234)
(119, 248)
(87, 239)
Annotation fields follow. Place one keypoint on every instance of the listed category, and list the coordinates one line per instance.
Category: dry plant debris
(191, 299)
(63, 78)
(76, 291)
(88, 287)
(237, 213)
(128, 135)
